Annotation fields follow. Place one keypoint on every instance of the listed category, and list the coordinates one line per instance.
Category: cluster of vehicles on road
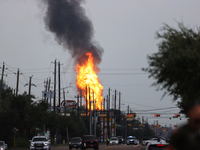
(90, 141)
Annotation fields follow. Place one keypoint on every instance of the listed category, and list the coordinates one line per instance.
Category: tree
(176, 65)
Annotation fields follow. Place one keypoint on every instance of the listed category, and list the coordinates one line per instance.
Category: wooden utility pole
(48, 89)
(108, 117)
(45, 91)
(78, 105)
(115, 112)
(86, 101)
(1, 86)
(81, 97)
(90, 114)
(94, 109)
(119, 100)
(54, 98)
(64, 100)
(30, 84)
(17, 85)
(59, 87)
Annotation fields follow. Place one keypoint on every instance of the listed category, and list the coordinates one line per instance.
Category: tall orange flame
(87, 77)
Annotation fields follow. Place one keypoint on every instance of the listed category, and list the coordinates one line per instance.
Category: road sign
(141, 125)
(83, 114)
(103, 115)
(129, 125)
(156, 126)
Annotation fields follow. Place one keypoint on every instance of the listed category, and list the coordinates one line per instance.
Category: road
(105, 147)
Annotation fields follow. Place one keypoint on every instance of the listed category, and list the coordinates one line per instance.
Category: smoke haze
(72, 29)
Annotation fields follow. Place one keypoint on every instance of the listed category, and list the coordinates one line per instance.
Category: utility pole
(81, 97)
(86, 101)
(45, 91)
(48, 89)
(54, 98)
(90, 114)
(94, 108)
(115, 112)
(17, 85)
(128, 109)
(78, 104)
(59, 87)
(64, 100)
(30, 84)
(1, 86)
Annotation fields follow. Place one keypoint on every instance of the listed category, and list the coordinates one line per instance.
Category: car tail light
(160, 145)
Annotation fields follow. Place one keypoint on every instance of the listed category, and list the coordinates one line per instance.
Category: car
(90, 141)
(155, 145)
(131, 140)
(75, 142)
(3, 145)
(120, 140)
(40, 142)
(114, 141)
(155, 139)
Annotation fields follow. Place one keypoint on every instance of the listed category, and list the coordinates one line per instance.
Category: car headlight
(32, 144)
(80, 142)
(122, 139)
(2, 148)
(84, 144)
(45, 144)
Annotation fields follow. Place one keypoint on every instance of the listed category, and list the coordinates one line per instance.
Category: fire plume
(87, 79)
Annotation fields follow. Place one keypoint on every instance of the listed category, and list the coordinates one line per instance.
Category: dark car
(75, 142)
(90, 141)
(120, 140)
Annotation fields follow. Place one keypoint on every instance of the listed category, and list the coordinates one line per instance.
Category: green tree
(176, 65)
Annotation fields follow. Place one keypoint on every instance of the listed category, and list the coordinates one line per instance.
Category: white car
(156, 145)
(131, 140)
(153, 140)
(114, 141)
(40, 142)
(3, 146)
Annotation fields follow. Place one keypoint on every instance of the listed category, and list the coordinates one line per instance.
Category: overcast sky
(124, 28)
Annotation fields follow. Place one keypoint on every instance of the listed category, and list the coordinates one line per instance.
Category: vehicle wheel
(146, 143)
(70, 148)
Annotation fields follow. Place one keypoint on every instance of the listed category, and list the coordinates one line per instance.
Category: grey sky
(124, 28)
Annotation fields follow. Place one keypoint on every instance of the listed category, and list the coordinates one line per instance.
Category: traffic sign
(103, 115)
(83, 114)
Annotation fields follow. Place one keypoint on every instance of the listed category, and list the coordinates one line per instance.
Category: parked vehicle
(75, 142)
(114, 141)
(131, 140)
(3, 145)
(40, 142)
(90, 141)
(120, 140)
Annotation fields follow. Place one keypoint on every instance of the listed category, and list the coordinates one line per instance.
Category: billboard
(69, 104)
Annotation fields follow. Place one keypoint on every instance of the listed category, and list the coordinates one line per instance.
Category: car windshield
(75, 139)
(39, 139)
(1, 143)
(113, 138)
(120, 137)
(157, 147)
(90, 138)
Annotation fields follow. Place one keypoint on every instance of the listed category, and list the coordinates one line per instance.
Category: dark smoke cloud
(72, 28)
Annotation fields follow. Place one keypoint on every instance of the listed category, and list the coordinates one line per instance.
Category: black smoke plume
(72, 29)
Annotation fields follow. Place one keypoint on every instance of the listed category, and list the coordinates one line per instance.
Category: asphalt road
(104, 147)
(101, 147)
